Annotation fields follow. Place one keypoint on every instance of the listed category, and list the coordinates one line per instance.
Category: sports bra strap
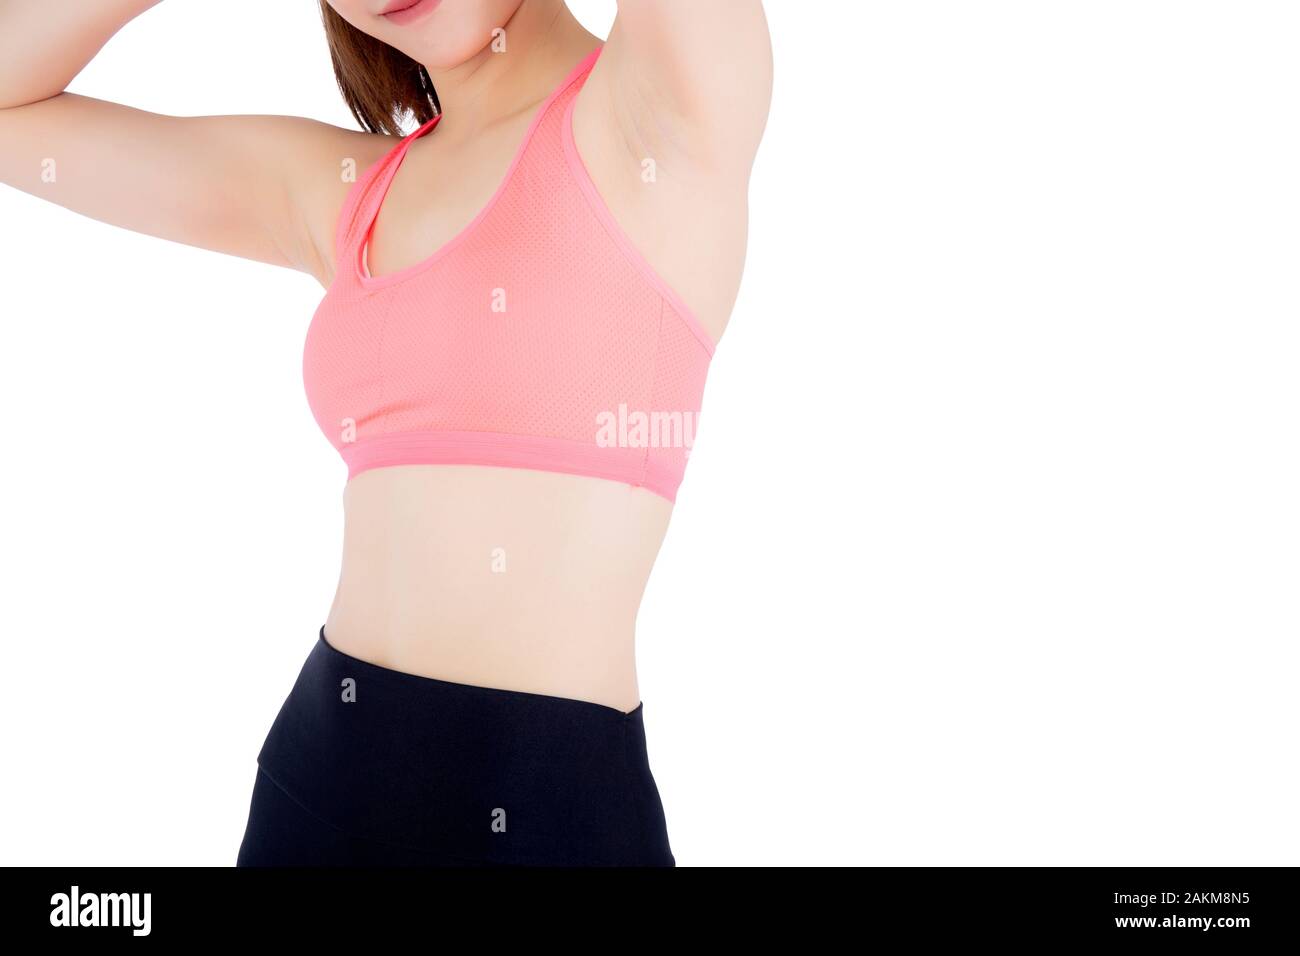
(362, 205)
(362, 201)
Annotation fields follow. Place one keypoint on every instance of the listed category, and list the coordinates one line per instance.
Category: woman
(522, 298)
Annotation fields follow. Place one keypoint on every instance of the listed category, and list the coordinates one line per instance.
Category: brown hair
(380, 84)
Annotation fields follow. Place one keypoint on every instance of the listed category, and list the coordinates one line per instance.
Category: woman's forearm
(45, 43)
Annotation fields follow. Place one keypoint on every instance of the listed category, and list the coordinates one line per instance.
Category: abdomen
(498, 577)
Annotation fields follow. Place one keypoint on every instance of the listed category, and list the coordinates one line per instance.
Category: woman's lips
(403, 12)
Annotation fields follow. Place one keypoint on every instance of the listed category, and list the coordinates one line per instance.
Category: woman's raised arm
(699, 75)
(261, 187)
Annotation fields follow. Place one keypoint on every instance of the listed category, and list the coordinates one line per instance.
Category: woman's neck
(540, 43)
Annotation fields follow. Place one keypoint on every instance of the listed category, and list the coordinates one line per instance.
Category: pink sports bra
(537, 337)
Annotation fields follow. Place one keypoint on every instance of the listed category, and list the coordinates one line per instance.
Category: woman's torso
(507, 576)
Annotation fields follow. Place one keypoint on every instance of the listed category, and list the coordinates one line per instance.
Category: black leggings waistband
(390, 767)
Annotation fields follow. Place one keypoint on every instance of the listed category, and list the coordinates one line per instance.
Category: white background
(989, 548)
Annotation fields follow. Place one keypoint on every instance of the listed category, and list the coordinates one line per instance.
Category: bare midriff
(498, 577)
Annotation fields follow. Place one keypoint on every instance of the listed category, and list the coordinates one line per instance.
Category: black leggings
(366, 766)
